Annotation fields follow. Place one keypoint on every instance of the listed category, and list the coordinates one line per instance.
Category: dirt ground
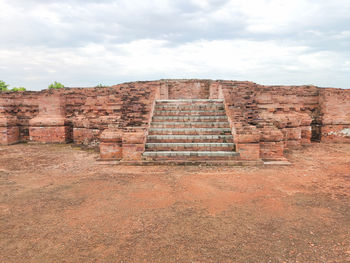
(58, 204)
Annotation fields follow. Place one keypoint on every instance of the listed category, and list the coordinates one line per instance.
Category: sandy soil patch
(58, 204)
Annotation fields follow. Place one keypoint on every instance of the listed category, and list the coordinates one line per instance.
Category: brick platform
(50, 126)
(9, 131)
(264, 121)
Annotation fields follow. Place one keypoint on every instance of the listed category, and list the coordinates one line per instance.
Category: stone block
(109, 150)
(48, 121)
(247, 138)
(133, 152)
(188, 89)
(271, 134)
(292, 144)
(291, 133)
(111, 144)
(9, 131)
(47, 129)
(9, 135)
(335, 133)
(306, 134)
(249, 151)
(50, 125)
(134, 137)
(86, 136)
(112, 135)
(134, 141)
(58, 134)
(271, 150)
(214, 90)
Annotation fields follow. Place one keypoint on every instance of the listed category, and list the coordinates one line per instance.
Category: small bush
(18, 89)
(3, 86)
(100, 86)
(56, 85)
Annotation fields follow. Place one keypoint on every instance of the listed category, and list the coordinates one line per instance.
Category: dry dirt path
(58, 204)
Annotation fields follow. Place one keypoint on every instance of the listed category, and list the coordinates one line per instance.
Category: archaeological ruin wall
(265, 121)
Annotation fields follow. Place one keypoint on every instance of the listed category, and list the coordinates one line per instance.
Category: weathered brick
(257, 114)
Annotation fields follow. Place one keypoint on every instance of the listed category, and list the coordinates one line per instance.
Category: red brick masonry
(265, 120)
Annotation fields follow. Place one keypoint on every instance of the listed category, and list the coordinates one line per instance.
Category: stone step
(188, 161)
(190, 146)
(191, 155)
(190, 138)
(190, 113)
(190, 125)
(213, 106)
(189, 131)
(189, 118)
(189, 101)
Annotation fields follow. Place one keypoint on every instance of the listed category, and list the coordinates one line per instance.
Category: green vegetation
(56, 85)
(18, 89)
(100, 86)
(4, 87)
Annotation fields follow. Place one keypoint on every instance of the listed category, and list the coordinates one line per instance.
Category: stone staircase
(191, 130)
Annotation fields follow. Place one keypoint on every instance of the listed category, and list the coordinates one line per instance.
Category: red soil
(58, 204)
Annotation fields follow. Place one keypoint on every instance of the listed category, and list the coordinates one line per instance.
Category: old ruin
(179, 120)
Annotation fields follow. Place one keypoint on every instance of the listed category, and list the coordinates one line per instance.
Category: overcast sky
(91, 42)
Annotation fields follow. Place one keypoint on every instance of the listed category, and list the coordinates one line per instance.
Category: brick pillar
(134, 141)
(163, 91)
(271, 144)
(111, 144)
(247, 144)
(50, 125)
(9, 131)
(214, 90)
(305, 129)
(127, 145)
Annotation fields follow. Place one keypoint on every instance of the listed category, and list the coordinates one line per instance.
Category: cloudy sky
(90, 42)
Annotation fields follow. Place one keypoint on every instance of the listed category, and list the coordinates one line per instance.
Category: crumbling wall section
(93, 110)
(188, 89)
(265, 120)
(241, 112)
(335, 115)
(87, 111)
(276, 117)
(21, 107)
(292, 110)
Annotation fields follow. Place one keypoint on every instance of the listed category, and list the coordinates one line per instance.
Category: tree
(3, 86)
(56, 85)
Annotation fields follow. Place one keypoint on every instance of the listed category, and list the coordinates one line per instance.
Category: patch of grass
(56, 85)
(18, 89)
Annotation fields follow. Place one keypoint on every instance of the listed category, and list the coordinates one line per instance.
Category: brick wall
(22, 105)
(92, 110)
(265, 120)
(335, 115)
(277, 117)
(188, 89)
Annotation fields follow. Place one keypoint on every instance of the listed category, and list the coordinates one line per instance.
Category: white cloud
(89, 42)
(203, 4)
(264, 61)
(343, 35)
